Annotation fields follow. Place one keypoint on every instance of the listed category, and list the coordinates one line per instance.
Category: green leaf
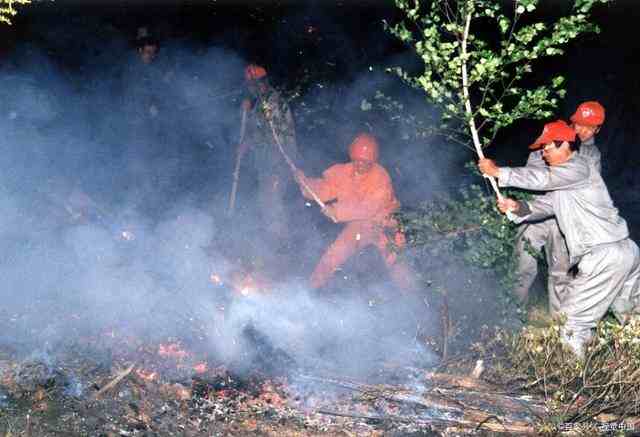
(504, 24)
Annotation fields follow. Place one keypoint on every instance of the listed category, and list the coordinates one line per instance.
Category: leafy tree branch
(8, 10)
(480, 78)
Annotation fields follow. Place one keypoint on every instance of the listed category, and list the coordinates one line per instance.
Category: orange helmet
(254, 72)
(364, 148)
(589, 114)
(555, 131)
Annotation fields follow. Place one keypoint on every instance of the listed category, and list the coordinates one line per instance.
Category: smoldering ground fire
(120, 244)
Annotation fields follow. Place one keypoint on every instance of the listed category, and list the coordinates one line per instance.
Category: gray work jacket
(589, 150)
(271, 110)
(576, 195)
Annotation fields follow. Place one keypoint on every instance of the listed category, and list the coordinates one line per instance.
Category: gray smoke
(114, 212)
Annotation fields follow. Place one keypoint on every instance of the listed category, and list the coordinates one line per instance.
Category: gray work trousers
(538, 235)
(608, 277)
(271, 198)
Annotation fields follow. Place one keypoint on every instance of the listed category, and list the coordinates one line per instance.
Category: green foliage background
(499, 59)
(467, 225)
(8, 10)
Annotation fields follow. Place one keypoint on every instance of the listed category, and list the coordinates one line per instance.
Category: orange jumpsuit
(365, 203)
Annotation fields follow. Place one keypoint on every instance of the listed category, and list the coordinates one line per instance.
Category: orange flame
(172, 350)
(147, 375)
(247, 284)
(242, 282)
(200, 367)
(215, 279)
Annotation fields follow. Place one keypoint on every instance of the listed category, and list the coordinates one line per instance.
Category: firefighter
(605, 261)
(546, 234)
(147, 46)
(270, 124)
(587, 121)
(153, 148)
(145, 79)
(363, 199)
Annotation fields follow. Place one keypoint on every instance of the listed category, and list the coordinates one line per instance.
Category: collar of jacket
(590, 142)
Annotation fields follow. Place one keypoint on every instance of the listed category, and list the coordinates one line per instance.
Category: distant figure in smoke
(269, 122)
(546, 234)
(147, 46)
(606, 260)
(146, 77)
(363, 198)
(153, 149)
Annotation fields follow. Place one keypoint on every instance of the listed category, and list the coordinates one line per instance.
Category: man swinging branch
(606, 260)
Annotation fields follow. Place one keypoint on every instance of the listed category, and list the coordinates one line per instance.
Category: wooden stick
(236, 171)
(446, 323)
(467, 100)
(293, 167)
(115, 381)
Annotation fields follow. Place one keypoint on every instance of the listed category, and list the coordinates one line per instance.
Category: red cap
(254, 72)
(364, 148)
(589, 114)
(555, 131)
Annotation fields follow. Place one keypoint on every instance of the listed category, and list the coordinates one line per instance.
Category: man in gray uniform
(545, 234)
(269, 122)
(597, 237)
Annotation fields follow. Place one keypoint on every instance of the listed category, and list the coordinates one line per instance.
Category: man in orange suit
(360, 194)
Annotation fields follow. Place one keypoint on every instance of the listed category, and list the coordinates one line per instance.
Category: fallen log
(358, 416)
(461, 381)
(470, 404)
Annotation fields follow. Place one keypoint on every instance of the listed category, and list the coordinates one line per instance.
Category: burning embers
(201, 367)
(243, 283)
(249, 284)
(147, 375)
(215, 279)
(172, 350)
(182, 358)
